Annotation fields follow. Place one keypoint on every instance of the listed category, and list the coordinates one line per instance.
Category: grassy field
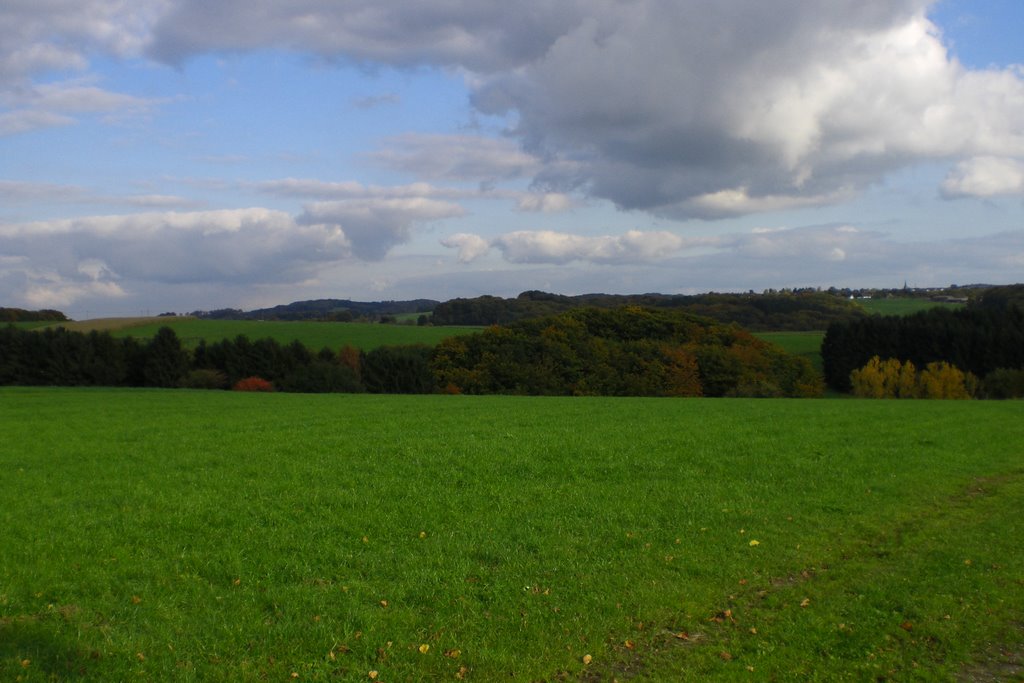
(217, 536)
(806, 344)
(315, 335)
(30, 325)
(901, 306)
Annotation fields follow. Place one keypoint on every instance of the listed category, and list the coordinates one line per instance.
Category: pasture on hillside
(902, 305)
(805, 344)
(221, 536)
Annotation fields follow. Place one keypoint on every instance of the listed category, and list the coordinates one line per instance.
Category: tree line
(20, 315)
(626, 351)
(630, 351)
(61, 357)
(771, 311)
(981, 340)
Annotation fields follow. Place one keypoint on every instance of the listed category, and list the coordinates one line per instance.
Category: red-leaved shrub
(253, 384)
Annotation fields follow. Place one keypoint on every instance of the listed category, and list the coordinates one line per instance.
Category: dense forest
(772, 311)
(999, 298)
(979, 339)
(629, 351)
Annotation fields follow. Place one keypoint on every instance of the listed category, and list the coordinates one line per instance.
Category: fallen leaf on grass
(136, 599)
(683, 635)
(630, 645)
(453, 653)
(805, 602)
(725, 656)
(461, 673)
(383, 603)
(587, 659)
(25, 662)
(424, 649)
(907, 626)
(755, 542)
(373, 675)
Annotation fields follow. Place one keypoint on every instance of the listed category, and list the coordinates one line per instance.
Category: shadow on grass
(34, 644)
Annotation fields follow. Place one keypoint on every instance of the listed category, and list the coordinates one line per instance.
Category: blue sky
(185, 154)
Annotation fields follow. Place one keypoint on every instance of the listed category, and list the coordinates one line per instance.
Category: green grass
(806, 344)
(29, 325)
(315, 335)
(901, 306)
(205, 536)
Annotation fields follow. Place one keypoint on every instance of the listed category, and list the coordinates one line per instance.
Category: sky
(181, 155)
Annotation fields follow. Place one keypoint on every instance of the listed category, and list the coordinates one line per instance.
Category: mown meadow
(224, 536)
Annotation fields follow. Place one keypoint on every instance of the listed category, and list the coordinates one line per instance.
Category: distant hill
(337, 310)
(1000, 298)
(794, 310)
(20, 315)
(786, 310)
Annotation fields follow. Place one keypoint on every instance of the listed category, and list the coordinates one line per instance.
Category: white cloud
(456, 157)
(986, 176)
(40, 39)
(55, 292)
(545, 202)
(374, 226)
(32, 107)
(59, 34)
(738, 202)
(161, 201)
(24, 120)
(748, 106)
(245, 245)
(24, 191)
(457, 33)
(471, 247)
(680, 108)
(309, 188)
(546, 246)
(788, 257)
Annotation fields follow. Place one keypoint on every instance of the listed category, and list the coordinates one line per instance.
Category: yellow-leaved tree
(942, 380)
(892, 378)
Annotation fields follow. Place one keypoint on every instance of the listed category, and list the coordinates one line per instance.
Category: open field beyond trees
(902, 305)
(205, 536)
(315, 335)
(805, 344)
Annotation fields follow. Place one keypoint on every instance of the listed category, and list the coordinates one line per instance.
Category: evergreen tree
(165, 361)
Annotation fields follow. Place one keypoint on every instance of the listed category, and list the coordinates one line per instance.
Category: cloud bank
(705, 108)
(60, 261)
